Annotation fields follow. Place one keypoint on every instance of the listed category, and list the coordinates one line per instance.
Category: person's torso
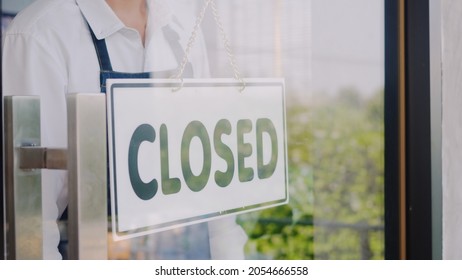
(72, 47)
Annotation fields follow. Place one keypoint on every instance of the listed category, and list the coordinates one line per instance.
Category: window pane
(330, 54)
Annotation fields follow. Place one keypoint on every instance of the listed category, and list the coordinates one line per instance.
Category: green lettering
(169, 185)
(196, 129)
(266, 126)
(223, 179)
(143, 190)
(243, 150)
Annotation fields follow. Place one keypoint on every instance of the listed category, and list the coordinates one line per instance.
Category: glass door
(330, 54)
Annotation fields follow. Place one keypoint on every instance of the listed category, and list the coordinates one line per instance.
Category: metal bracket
(31, 157)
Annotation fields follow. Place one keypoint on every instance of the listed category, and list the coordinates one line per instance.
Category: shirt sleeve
(31, 67)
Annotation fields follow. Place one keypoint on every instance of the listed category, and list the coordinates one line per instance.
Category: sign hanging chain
(192, 39)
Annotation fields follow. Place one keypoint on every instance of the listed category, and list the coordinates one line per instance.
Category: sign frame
(176, 87)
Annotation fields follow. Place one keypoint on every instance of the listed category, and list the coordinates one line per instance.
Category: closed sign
(182, 154)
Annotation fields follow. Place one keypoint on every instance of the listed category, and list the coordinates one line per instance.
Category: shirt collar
(104, 22)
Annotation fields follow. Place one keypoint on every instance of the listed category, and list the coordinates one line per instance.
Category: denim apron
(191, 242)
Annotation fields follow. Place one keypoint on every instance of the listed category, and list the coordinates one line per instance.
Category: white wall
(451, 23)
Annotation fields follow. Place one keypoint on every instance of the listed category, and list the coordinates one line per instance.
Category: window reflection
(331, 56)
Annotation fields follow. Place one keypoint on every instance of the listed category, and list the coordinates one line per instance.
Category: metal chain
(226, 43)
(231, 58)
(191, 40)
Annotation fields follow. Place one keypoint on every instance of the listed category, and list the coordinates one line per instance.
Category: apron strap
(101, 52)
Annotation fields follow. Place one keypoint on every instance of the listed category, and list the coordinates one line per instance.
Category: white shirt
(48, 51)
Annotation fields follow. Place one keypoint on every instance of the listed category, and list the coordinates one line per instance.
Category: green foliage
(336, 179)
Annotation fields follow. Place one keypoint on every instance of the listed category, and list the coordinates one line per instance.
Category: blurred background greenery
(336, 181)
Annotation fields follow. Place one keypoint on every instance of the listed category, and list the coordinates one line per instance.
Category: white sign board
(179, 156)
